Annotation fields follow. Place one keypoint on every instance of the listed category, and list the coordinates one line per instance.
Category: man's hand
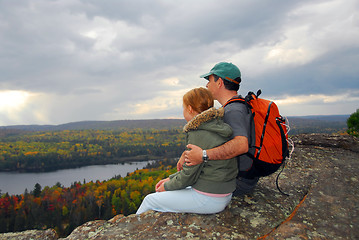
(194, 156)
(160, 186)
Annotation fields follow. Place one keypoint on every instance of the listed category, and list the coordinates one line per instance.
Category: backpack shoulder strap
(250, 96)
(235, 99)
(245, 100)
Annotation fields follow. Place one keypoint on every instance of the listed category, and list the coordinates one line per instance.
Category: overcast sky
(70, 60)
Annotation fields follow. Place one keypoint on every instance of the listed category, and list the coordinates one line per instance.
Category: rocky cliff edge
(321, 180)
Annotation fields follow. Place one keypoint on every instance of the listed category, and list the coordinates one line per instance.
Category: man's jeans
(245, 186)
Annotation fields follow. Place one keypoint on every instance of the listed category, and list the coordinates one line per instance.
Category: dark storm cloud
(76, 60)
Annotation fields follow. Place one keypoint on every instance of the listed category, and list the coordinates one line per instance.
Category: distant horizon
(149, 119)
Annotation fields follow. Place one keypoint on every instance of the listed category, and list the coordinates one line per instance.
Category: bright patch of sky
(66, 61)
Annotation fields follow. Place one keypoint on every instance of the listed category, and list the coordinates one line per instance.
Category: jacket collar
(203, 117)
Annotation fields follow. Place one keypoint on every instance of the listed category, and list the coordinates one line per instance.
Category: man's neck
(226, 96)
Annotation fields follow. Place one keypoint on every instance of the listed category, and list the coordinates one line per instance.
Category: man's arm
(237, 146)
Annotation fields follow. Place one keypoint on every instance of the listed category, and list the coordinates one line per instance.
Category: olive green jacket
(207, 130)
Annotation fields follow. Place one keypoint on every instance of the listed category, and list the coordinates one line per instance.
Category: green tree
(65, 211)
(353, 124)
(37, 190)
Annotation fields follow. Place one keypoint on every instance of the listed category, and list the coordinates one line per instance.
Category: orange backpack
(271, 146)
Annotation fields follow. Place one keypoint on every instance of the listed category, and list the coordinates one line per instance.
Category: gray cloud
(106, 60)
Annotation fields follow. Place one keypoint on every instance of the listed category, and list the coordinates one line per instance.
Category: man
(223, 82)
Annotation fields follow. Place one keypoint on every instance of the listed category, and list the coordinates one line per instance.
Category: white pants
(184, 200)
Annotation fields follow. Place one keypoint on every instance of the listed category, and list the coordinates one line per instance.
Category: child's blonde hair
(200, 99)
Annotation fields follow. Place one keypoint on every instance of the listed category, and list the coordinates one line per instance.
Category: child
(205, 188)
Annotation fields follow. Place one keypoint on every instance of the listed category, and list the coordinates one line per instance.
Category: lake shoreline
(15, 183)
(122, 160)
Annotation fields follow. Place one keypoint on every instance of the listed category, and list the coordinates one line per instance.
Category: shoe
(245, 186)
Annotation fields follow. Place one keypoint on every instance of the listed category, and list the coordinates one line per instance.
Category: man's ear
(220, 82)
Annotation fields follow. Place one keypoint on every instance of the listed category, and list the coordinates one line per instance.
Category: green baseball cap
(224, 70)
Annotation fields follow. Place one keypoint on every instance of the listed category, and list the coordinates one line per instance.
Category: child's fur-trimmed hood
(205, 116)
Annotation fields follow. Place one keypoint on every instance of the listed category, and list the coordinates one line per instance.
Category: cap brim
(206, 76)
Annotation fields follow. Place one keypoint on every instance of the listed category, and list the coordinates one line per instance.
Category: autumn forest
(65, 208)
(52, 150)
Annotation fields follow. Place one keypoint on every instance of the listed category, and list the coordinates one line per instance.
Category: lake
(16, 183)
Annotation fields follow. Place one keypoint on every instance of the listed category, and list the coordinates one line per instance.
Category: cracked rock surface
(322, 182)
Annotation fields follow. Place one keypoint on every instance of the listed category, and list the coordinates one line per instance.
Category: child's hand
(160, 186)
(180, 163)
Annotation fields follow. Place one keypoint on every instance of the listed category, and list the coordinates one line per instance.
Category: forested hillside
(52, 150)
(318, 124)
(104, 125)
(25, 150)
(66, 208)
